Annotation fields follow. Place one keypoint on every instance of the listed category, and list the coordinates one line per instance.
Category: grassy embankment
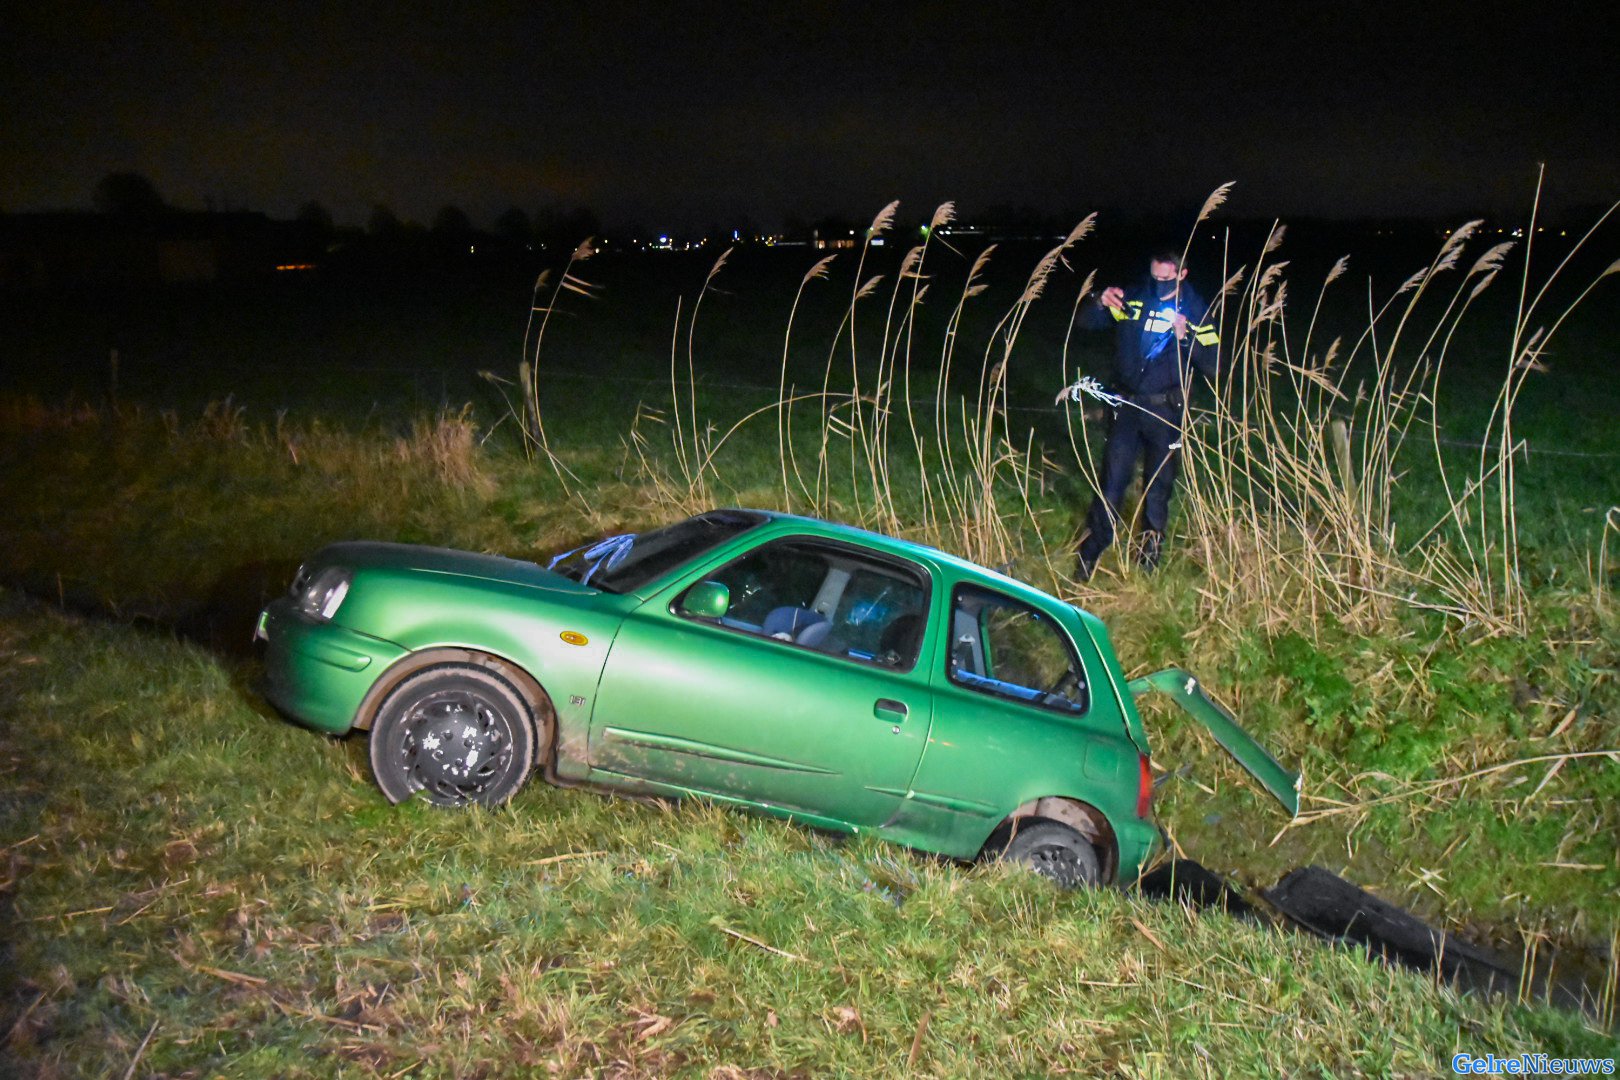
(1408, 721)
(188, 868)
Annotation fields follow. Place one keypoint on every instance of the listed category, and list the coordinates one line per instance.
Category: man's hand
(1180, 321)
(1113, 297)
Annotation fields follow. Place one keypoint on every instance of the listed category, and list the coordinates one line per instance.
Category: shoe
(1084, 566)
(1148, 550)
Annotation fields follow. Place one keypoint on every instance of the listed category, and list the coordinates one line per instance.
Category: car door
(804, 694)
(1012, 719)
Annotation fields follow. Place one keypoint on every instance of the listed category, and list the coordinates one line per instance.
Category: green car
(844, 679)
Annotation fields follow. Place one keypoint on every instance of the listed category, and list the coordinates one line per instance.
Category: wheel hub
(1057, 863)
(455, 747)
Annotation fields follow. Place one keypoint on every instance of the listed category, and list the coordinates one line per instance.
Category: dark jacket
(1148, 359)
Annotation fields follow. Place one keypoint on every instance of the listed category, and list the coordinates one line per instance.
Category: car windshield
(625, 563)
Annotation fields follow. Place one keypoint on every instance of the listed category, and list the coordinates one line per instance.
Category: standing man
(1161, 333)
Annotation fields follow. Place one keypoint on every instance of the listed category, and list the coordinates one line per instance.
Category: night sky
(683, 114)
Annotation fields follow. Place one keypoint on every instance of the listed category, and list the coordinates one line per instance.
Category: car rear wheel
(1056, 852)
(459, 734)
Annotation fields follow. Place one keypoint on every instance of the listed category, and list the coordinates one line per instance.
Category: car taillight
(1144, 786)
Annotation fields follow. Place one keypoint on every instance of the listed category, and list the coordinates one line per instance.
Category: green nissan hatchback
(841, 678)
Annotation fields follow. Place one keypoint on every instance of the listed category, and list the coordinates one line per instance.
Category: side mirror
(706, 600)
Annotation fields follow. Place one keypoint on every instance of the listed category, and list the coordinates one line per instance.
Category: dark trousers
(1135, 434)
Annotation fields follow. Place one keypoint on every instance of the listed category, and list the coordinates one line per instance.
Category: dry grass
(527, 409)
(446, 445)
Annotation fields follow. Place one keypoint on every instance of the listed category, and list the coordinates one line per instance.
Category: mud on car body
(844, 679)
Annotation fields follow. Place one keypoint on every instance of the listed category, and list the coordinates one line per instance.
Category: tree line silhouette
(132, 197)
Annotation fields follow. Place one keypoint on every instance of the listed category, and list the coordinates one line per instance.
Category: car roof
(910, 549)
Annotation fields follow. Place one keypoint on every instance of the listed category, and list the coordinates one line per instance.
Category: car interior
(1003, 647)
(830, 599)
(844, 603)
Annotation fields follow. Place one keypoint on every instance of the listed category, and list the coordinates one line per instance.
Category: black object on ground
(1326, 904)
(1194, 884)
(1330, 907)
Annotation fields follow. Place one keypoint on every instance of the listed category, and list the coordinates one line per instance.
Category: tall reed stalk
(968, 485)
(1292, 473)
(1291, 470)
(528, 411)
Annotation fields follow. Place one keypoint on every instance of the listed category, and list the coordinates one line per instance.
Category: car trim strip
(707, 750)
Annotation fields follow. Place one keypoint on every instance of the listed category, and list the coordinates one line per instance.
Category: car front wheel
(1056, 852)
(457, 733)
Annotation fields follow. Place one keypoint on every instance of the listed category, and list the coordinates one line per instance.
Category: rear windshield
(625, 563)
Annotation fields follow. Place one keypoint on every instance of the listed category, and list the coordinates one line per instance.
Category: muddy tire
(456, 733)
(1056, 852)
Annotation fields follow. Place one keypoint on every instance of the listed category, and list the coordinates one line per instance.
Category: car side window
(832, 598)
(1009, 649)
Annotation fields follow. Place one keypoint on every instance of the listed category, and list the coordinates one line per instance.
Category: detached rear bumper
(316, 672)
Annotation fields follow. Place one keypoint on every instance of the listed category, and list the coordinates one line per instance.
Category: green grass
(181, 859)
(141, 762)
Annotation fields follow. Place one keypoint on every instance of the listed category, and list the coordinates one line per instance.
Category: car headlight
(319, 595)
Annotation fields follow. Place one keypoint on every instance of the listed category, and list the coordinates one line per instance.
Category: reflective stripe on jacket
(1161, 320)
(1148, 358)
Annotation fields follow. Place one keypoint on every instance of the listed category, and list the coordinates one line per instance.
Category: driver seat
(791, 623)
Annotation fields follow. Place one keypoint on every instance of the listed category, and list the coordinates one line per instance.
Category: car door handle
(890, 710)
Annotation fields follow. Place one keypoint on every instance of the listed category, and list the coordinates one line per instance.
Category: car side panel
(763, 721)
(318, 673)
(987, 756)
(522, 626)
(702, 707)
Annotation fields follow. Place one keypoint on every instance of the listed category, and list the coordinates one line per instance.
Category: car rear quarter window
(1009, 649)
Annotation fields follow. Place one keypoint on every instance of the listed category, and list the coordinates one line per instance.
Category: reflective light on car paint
(334, 598)
(574, 637)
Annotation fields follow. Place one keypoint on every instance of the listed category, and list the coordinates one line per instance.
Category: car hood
(370, 554)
